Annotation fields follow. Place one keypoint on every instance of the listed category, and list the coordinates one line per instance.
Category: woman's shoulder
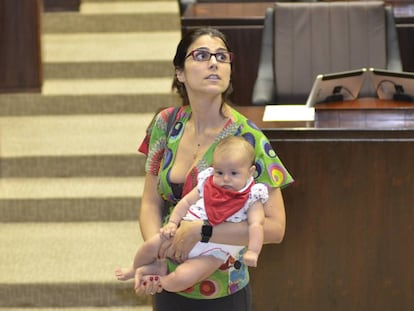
(247, 124)
(166, 112)
(166, 116)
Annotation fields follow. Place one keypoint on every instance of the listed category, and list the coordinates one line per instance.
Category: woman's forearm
(275, 220)
(189, 232)
(151, 208)
(238, 233)
(231, 233)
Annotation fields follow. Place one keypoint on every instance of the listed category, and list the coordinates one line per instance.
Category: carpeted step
(72, 135)
(70, 209)
(70, 199)
(49, 265)
(120, 308)
(26, 104)
(132, 308)
(117, 69)
(73, 166)
(110, 47)
(119, 1)
(71, 178)
(128, 6)
(106, 86)
(73, 145)
(131, 22)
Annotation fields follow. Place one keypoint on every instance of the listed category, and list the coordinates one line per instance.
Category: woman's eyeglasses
(204, 56)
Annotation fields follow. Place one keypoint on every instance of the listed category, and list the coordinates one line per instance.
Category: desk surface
(254, 11)
(361, 118)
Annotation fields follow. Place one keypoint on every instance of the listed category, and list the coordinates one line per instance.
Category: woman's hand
(146, 284)
(186, 236)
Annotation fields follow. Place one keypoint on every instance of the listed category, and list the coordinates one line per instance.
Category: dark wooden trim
(20, 52)
(61, 5)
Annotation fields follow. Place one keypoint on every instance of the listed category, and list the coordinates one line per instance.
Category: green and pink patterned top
(160, 152)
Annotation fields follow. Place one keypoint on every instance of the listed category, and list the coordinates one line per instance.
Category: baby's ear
(252, 169)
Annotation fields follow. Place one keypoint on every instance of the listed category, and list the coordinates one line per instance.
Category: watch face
(207, 230)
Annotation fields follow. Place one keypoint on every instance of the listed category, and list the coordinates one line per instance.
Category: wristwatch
(206, 231)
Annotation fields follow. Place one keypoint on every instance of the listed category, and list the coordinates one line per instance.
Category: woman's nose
(213, 60)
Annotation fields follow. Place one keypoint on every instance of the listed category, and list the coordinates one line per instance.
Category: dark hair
(181, 53)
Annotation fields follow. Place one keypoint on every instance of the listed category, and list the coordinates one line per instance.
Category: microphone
(336, 95)
(399, 94)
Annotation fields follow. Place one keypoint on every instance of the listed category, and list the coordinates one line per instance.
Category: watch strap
(206, 231)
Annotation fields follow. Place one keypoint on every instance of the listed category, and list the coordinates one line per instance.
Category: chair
(302, 40)
(183, 4)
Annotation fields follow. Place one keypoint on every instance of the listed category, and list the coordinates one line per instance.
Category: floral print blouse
(161, 147)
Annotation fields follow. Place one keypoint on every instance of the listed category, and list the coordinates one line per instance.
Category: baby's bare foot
(123, 274)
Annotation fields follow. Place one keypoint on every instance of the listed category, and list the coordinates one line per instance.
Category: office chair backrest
(328, 37)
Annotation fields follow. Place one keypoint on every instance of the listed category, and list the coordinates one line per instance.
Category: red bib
(221, 203)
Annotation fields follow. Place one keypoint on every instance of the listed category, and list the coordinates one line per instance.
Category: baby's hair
(238, 143)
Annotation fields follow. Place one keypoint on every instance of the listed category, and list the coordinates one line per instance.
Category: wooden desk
(350, 228)
(243, 24)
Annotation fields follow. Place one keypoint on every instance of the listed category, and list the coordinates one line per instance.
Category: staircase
(71, 178)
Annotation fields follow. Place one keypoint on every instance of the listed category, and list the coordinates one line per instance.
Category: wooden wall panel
(20, 46)
(348, 242)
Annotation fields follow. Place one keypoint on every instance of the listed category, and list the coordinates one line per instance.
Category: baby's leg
(145, 255)
(148, 252)
(190, 272)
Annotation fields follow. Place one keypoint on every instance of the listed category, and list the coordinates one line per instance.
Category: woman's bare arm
(189, 232)
(150, 216)
(274, 224)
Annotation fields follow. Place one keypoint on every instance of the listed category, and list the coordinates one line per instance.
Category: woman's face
(203, 75)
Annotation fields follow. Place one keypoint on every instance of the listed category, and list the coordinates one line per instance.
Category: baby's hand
(169, 230)
(250, 258)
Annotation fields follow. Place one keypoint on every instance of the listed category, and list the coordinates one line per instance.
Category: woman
(202, 79)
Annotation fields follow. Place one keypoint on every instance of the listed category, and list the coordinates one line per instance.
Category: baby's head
(233, 162)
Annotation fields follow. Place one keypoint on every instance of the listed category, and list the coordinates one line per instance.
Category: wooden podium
(20, 46)
(349, 234)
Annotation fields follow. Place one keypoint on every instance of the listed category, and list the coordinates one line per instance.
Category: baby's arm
(169, 229)
(179, 212)
(255, 218)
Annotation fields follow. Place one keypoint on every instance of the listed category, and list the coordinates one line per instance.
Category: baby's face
(231, 172)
